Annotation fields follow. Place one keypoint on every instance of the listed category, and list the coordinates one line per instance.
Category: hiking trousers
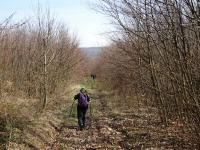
(81, 112)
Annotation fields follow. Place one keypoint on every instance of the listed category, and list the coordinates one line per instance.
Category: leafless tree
(156, 52)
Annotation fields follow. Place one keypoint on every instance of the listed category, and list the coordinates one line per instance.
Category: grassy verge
(23, 126)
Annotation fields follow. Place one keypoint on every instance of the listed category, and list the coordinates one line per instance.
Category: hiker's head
(82, 90)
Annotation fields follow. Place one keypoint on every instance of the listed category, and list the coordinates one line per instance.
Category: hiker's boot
(80, 128)
(83, 125)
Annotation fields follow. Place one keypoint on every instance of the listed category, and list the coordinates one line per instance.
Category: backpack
(82, 100)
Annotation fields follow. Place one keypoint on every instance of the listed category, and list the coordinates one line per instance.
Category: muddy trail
(112, 127)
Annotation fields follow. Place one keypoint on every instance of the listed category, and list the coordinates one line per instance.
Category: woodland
(146, 94)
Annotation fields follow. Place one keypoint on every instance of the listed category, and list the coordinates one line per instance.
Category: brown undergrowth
(24, 126)
(115, 126)
(112, 123)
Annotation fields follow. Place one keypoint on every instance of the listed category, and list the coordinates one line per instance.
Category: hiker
(83, 101)
(93, 76)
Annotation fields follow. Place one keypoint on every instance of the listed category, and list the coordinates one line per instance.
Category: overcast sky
(76, 14)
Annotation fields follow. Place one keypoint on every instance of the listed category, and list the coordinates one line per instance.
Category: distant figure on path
(83, 101)
(93, 76)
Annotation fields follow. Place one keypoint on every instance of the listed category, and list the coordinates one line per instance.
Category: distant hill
(91, 51)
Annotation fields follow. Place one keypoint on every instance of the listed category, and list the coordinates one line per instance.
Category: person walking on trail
(83, 101)
(93, 76)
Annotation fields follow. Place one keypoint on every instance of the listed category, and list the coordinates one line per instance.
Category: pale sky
(89, 26)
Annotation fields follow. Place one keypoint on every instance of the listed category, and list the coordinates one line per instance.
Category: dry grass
(22, 123)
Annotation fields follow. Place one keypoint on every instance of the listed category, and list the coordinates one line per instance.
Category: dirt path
(123, 129)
